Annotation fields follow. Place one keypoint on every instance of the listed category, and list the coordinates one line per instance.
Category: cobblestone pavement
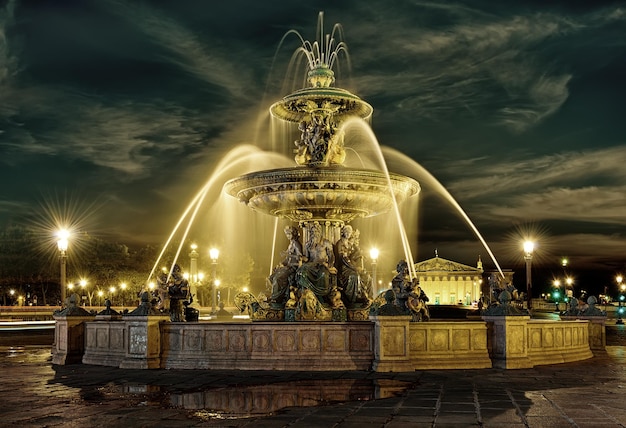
(589, 393)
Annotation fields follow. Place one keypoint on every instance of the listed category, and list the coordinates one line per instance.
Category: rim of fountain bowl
(269, 189)
(358, 107)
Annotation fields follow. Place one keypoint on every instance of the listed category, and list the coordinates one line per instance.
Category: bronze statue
(315, 273)
(349, 268)
(283, 276)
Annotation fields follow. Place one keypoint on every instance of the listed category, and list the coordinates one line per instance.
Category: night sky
(113, 114)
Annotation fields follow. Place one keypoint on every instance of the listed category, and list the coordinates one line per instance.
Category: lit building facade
(450, 283)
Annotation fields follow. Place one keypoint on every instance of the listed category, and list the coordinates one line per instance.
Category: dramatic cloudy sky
(119, 111)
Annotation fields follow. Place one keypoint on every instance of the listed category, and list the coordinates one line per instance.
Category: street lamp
(123, 288)
(557, 293)
(374, 255)
(569, 287)
(62, 242)
(621, 288)
(83, 284)
(214, 253)
(193, 265)
(112, 291)
(529, 246)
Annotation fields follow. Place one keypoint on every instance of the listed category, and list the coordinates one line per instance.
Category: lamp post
(112, 292)
(193, 265)
(219, 293)
(569, 286)
(214, 253)
(83, 284)
(529, 246)
(62, 242)
(621, 288)
(557, 293)
(123, 291)
(374, 255)
(193, 270)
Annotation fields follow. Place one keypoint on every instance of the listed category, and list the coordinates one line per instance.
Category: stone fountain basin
(335, 192)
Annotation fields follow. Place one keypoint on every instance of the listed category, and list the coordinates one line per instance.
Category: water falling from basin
(340, 181)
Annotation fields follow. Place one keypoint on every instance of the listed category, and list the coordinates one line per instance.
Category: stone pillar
(507, 339)
(391, 344)
(69, 338)
(143, 349)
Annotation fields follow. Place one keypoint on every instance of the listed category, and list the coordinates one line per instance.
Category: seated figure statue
(400, 283)
(161, 292)
(348, 261)
(283, 276)
(178, 291)
(314, 274)
(410, 297)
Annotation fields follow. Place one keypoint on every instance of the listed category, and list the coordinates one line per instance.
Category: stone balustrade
(384, 343)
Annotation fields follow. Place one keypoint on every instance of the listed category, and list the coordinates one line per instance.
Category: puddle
(13, 351)
(238, 402)
(25, 353)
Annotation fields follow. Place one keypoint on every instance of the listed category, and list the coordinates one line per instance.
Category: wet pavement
(590, 393)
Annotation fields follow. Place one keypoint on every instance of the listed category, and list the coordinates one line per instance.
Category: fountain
(321, 314)
(326, 280)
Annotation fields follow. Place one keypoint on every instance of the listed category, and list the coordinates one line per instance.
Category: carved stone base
(69, 339)
(143, 349)
(268, 314)
(507, 339)
(391, 344)
(362, 314)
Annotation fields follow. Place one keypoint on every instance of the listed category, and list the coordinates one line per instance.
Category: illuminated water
(248, 240)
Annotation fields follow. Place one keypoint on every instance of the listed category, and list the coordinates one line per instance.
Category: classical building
(449, 283)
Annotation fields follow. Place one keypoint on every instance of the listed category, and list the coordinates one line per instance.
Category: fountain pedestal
(507, 338)
(69, 339)
(143, 348)
(391, 344)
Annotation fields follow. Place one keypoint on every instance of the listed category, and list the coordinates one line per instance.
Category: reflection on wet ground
(24, 354)
(234, 402)
(584, 394)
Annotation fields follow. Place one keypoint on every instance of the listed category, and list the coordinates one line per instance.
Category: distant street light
(621, 288)
(112, 291)
(193, 265)
(83, 284)
(62, 243)
(214, 253)
(529, 246)
(557, 293)
(123, 292)
(374, 256)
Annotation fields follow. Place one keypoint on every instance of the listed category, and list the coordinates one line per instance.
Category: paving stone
(584, 394)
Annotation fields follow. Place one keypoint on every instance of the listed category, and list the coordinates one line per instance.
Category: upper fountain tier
(324, 193)
(321, 188)
(320, 97)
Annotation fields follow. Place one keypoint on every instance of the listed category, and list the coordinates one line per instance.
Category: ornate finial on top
(320, 108)
(436, 253)
(479, 264)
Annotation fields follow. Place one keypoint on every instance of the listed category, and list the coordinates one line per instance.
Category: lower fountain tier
(325, 193)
